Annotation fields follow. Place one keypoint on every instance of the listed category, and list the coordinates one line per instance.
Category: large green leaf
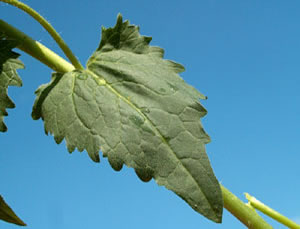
(8, 76)
(7, 214)
(132, 105)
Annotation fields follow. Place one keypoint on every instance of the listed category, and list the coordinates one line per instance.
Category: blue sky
(243, 55)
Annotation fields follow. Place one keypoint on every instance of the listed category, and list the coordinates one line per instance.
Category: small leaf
(8, 76)
(132, 105)
(7, 214)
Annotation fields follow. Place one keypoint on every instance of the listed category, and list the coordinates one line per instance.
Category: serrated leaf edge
(151, 124)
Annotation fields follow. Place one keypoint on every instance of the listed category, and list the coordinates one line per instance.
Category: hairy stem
(36, 49)
(49, 28)
(270, 212)
(246, 214)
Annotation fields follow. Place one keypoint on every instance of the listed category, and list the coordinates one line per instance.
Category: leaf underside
(132, 105)
(8, 76)
(7, 214)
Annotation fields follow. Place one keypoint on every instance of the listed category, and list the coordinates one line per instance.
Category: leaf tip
(94, 156)
(119, 18)
(144, 174)
(8, 215)
(115, 162)
(3, 127)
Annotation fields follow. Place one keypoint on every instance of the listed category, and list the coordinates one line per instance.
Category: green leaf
(8, 76)
(7, 214)
(132, 105)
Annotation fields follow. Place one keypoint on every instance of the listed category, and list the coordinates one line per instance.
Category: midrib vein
(113, 90)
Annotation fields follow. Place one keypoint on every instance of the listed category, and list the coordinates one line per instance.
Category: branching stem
(36, 49)
(243, 212)
(270, 212)
(49, 28)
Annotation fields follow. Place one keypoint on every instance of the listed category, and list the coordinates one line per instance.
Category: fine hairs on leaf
(132, 105)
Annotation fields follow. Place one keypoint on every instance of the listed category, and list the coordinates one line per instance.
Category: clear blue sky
(244, 55)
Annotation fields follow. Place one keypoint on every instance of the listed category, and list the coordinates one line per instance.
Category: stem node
(49, 28)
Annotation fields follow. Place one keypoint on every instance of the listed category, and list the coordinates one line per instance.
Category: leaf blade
(133, 104)
(8, 76)
(7, 214)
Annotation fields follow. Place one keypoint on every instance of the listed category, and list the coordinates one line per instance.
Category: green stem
(36, 49)
(270, 212)
(246, 214)
(49, 28)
